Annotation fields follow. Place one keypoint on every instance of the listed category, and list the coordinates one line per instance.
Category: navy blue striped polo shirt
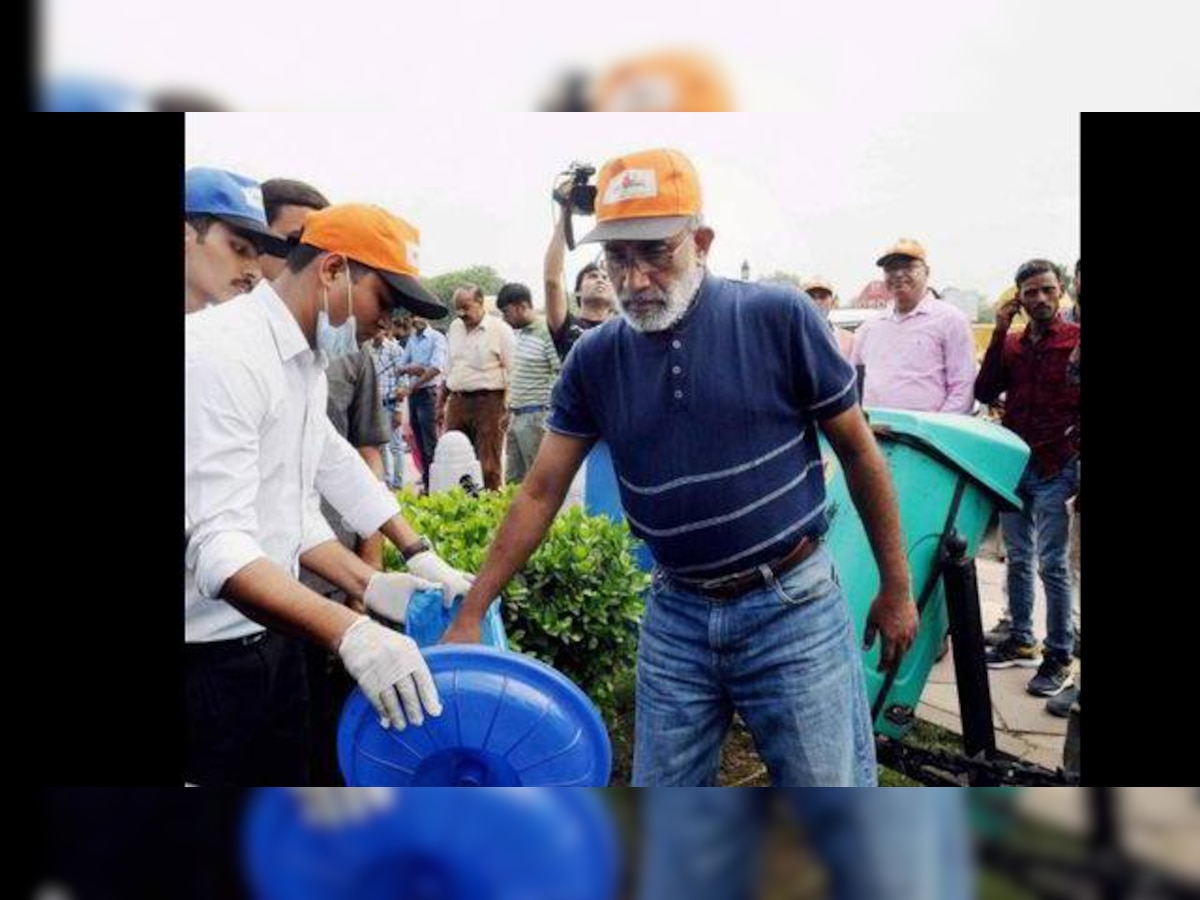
(712, 423)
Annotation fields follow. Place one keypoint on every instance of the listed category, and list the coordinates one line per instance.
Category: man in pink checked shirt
(921, 355)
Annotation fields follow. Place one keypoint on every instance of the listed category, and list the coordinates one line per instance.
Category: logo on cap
(632, 183)
(648, 92)
(253, 196)
(412, 253)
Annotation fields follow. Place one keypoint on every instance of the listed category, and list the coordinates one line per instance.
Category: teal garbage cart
(951, 473)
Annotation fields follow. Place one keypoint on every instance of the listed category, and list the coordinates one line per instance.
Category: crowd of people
(319, 379)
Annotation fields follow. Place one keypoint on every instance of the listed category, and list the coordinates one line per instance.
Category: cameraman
(593, 290)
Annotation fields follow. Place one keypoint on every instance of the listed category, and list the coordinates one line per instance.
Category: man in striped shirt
(709, 393)
(535, 369)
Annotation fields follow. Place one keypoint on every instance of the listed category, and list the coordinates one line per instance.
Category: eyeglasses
(657, 256)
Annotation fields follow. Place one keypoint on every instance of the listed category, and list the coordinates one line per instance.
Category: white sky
(783, 55)
(819, 193)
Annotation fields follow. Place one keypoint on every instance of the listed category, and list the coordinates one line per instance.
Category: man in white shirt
(259, 453)
(481, 350)
(225, 236)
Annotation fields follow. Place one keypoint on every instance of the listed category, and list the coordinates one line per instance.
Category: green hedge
(577, 601)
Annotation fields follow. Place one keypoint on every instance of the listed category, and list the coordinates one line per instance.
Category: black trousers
(328, 686)
(422, 417)
(139, 843)
(247, 712)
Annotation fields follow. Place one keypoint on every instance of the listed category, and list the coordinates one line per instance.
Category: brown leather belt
(751, 580)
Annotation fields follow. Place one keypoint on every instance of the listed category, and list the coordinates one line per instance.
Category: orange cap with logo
(903, 247)
(675, 81)
(645, 196)
(374, 237)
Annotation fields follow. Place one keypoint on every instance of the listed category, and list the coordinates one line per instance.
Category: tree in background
(781, 277)
(442, 286)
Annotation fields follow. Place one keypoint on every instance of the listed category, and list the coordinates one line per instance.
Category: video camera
(575, 195)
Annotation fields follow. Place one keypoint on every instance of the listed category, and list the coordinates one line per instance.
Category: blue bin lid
(435, 844)
(507, 720)
(987, 452)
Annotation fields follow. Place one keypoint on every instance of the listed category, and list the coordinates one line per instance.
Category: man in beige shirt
(481, 362)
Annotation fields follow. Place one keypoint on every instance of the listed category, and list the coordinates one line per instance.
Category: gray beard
(679, 299)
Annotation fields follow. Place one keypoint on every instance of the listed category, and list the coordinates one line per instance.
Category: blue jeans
(1042, 527)
(393, 456)
(705, 844)
(783, 656)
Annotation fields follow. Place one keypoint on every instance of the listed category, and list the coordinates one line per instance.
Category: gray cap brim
(883, 260)
(655, 228)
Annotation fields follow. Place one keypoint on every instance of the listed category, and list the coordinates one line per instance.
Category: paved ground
(1023, 727)
(1157, 824)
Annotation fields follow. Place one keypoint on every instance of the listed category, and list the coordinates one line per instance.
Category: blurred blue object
(507, 720)
(427, 620)
(875, 844)
(602, 496)
(88, 95)
(435, 844)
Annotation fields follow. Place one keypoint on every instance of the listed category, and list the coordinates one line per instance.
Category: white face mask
(344, 338)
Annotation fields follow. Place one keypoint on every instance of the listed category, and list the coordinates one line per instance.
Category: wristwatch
(412, 550)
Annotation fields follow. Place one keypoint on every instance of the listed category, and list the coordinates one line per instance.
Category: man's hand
(1005, 314)
(391, 672)
(388, 593)
(432, 567)
(893, 616)
(465, 629)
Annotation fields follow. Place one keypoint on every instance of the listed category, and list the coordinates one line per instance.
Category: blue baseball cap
(235, 200)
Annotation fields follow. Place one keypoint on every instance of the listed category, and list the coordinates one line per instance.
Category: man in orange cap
(356, 410)
(710, 394)
(671, 81)
(921, 355)
(259, 452)
(661, 81)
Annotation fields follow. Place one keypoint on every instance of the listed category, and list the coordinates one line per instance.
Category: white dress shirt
(259, 452)
(481, 359)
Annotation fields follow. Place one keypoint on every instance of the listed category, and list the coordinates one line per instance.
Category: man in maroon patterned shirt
(1042, 407)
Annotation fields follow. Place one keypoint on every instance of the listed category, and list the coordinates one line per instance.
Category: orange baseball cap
(374, 237)
(903, 247)
(817, 281)
(675, 81)
(645, 196)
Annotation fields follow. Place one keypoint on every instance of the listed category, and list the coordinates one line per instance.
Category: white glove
(429, 565)
(387, 664)
(340, 805)
(388, 593)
